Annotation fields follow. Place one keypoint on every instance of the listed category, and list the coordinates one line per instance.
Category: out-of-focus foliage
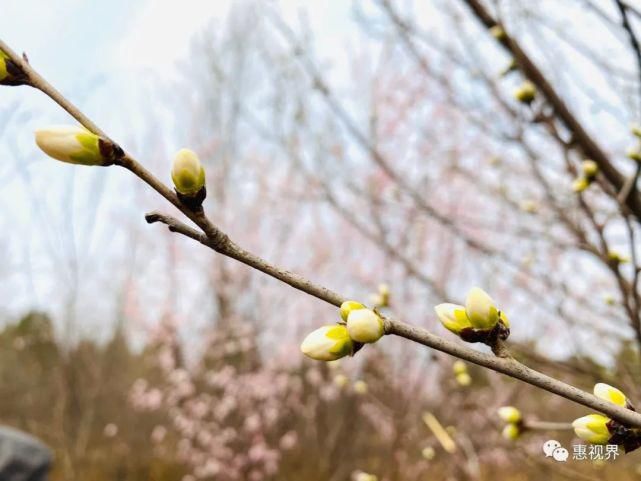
(111, 413)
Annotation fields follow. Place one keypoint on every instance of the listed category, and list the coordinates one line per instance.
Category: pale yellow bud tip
(453, 317)
(580, 184)
(187, 173)
(360, 387)
(428, 453)
(498, 33)
(341, 380)
(511, 432)
(459, 367)
(349, 306)
(634, 153)
(509, 414)
(363, 476)
(70, 144)
(589, 168)
(481, 309)
(463, 379)
(526, 92)
(593, 428)
(609, 393)
(617, 258)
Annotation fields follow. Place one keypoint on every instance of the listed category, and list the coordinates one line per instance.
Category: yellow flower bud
(364, 326)
(634, 153)
(328, 343)
(636, 130)
(187, 173)
(10, 73)
(428, 453)
(580, 184)
(589, 168)
(498, 33)
(593, 428)
(609, 393)
(453, 317)
(529, 206)
(383, 293)
(526, 92)
(609, 299)
(360, 387)
(459, 367)
(349, 306)
(74, 145)
(509, 414)
(4, 73)
(480, 309)
(341, 380)
(617, 258)
(504, 319)
(511, 432)
(363, 476)
(464, 379)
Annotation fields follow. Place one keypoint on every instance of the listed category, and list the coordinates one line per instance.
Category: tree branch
(220, 242)
(581, 137)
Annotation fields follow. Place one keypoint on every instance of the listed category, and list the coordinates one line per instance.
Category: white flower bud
(453, 317)
(328, 343)
(187, 173)
(509, 414)
(609, 393)
(480, 309)
(364, 325)
(74, 145)
(593, 428)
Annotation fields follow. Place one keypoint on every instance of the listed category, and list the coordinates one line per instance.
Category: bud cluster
(359, 325)
(525, 93)
(589, 171)
(478, 321)
(513, 422)
(600, 429)
(461, 375)
(634, 153)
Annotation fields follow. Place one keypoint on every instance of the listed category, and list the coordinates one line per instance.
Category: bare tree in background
(421, 170)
